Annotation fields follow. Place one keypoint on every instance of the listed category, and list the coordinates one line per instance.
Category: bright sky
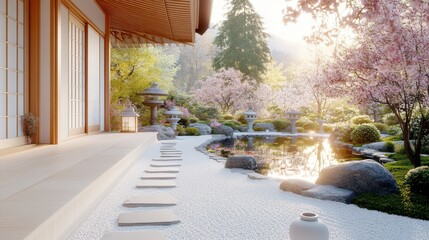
(271, 13)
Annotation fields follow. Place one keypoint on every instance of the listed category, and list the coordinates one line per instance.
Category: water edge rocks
(365, 176)
(241, 161)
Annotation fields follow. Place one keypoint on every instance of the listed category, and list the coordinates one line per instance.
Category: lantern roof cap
(154, 90)
(293, 112)
(129, 112)
(173, 111)
(250, 112)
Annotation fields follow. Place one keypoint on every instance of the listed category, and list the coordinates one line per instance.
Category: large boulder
(225, 130)
(241, 161)
(265, 126)
(331, 193)
(164, 133)
(296, 185)
(366, 176)
(204, 129)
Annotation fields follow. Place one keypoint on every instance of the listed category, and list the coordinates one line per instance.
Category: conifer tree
(242, 41)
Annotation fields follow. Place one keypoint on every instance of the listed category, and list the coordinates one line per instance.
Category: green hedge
(191, 131)
(365, 133)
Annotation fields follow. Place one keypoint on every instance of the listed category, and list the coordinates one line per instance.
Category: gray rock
(296, 185)
(265, 126)
(225, 130)
(378, 146)
(241, 161)
(366, 176)
(386, 160)
(204, 129)
(331, 193)
(164, 133)
(256, 176)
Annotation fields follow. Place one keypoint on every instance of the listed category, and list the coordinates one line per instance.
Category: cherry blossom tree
(228, 89)
(388, 61)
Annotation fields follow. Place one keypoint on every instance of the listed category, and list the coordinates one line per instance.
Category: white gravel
(214, 203)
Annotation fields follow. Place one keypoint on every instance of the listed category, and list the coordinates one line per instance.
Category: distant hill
(285, 52)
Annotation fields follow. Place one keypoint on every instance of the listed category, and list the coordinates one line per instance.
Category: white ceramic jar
(307, 227)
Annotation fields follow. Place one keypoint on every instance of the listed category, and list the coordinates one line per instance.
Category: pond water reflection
(282, 157)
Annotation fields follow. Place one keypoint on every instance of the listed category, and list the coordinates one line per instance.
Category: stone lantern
(129, 120)
(250, 117)
(151, 99)
(293, 116)
(321, 121)
(173, 116)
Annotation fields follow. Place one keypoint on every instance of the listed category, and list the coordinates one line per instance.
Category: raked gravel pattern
(214, 203)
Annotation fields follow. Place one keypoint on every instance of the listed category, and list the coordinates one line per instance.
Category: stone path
(158, 175)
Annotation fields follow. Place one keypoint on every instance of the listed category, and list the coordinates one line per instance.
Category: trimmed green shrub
(344, 132)
(361, 119)
(258, 129)
(180, 130)
(191, 131)
(365, 133)
(232, 123)
(193, 120)
(381, 126)
(300, 129)
(394, 130)
(307, 124)
(227, 117)
(281, 125)
(390, 119)
(242, 119)
(390, 146)
(418, 180)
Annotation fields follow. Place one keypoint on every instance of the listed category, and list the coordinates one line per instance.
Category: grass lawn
(405, 203)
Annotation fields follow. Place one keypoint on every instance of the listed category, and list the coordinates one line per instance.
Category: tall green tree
(132, 70)
(242, 41)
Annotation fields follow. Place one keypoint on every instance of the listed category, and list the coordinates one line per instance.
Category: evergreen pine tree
(242, 41)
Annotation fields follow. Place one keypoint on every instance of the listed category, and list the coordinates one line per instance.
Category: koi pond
(282, 157)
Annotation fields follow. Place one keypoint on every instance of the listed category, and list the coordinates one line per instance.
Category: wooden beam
(55, 25)
(34, 61)
(107, 75)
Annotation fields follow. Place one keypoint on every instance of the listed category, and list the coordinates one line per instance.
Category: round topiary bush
(418, 180)
(344, 132)
(390, 119)
(227, 117)
(361, 119)
(191, 131)
(381, 126)
(365, 133)
(281, 125)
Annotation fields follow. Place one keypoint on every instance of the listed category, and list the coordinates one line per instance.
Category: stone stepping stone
(158, 176)
(169, 144)
(171, 156)
(171, 151)
(157, 200)
(142, 235)
(166, 164)
(167, 159)
(156, 184)
(157, 217)
(163, 170)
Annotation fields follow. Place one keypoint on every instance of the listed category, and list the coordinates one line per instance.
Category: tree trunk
(413, 156)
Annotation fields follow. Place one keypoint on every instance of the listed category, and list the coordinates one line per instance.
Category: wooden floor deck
(44, 191)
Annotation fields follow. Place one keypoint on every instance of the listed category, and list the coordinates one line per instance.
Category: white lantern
(129, 120)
